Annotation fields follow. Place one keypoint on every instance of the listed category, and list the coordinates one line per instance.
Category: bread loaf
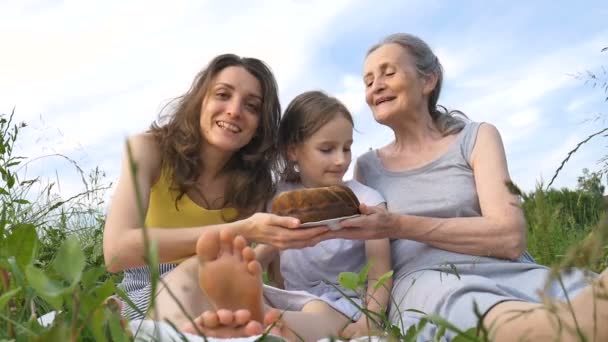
(316, 204)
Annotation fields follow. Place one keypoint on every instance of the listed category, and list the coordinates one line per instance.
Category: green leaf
(469, 335)
(70, 260)
(97, 323)
(414, 330)
(416, 311)
(349, 280)
(59, 332)
(105, 290)
(99, 294)
(364, 272)
(49, 289)
(21, 201)
(116, 330)
(2, 170)
(7, 296)
(3, 192)
(91, 276)
(16, 161)
(439, 335)
(16, 274)
(383, 279)
(10, 180)
(22, 243)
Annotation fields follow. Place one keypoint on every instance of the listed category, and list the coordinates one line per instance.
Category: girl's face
(324, 157)
(230, 113)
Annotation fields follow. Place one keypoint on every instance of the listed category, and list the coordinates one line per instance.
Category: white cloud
(352, 93)
(95, 70)
(108, 54)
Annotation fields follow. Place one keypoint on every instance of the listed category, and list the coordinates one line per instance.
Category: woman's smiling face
(230, 112)
(393, 85)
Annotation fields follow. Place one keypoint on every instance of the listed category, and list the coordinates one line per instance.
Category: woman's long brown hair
(178, 134)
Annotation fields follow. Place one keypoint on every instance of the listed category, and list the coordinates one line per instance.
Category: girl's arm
(270, 260)
(378, 253)
(123, 242)
(265, 254)
(500, 231)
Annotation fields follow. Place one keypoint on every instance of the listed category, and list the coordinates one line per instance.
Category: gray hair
(427, 63)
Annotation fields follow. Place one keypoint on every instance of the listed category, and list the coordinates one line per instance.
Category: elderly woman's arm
(499, 232)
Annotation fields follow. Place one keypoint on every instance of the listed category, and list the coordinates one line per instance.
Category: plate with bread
(333, 224)
(323, 206)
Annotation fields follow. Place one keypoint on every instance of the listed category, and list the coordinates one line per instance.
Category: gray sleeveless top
(443, 188)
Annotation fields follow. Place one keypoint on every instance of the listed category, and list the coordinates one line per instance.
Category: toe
(254, 268)
(238, 244)
(242, 316)
(254, 328)
(208, 319)
(226, 317)
(208, 245)
(226, 241)
(248, 254)
(271, 316)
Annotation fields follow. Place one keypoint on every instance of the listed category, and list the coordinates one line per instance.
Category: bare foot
(229, 274)
(224, 323)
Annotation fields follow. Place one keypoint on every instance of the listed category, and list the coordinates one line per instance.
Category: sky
(86, 74)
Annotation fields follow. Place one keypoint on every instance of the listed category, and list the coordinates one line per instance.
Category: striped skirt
(137, 284)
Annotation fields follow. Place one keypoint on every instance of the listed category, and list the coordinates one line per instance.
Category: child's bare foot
(224, 323)
(229, 274)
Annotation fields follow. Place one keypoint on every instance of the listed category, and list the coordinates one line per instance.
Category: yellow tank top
(162, 211)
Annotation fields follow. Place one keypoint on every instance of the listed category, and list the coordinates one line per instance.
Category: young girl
(315, 138)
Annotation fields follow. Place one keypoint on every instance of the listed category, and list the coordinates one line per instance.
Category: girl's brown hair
(304, 116)
(179, 135)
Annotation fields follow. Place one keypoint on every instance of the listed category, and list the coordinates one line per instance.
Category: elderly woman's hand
(374, 223)
(280, 231)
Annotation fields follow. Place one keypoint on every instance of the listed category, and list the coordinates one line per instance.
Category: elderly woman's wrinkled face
(393, 86)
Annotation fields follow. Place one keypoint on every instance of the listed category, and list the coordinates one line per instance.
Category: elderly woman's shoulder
(487, 131)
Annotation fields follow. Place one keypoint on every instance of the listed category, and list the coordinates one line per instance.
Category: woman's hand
(374, 223)
(280, 231)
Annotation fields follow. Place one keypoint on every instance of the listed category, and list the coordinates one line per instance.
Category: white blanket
(149, 330)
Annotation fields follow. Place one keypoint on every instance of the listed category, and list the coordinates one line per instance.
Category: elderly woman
(459, 234)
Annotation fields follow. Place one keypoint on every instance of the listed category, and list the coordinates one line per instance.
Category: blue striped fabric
(137, 284)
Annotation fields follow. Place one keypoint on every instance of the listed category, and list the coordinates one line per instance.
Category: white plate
(333, 224)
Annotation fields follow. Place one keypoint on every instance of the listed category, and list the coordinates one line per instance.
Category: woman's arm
(499, 232)
(123, 242)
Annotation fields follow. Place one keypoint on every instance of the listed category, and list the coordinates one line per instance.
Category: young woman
(206, 168)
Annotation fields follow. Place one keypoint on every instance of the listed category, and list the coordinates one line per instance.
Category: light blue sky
(85, 74)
